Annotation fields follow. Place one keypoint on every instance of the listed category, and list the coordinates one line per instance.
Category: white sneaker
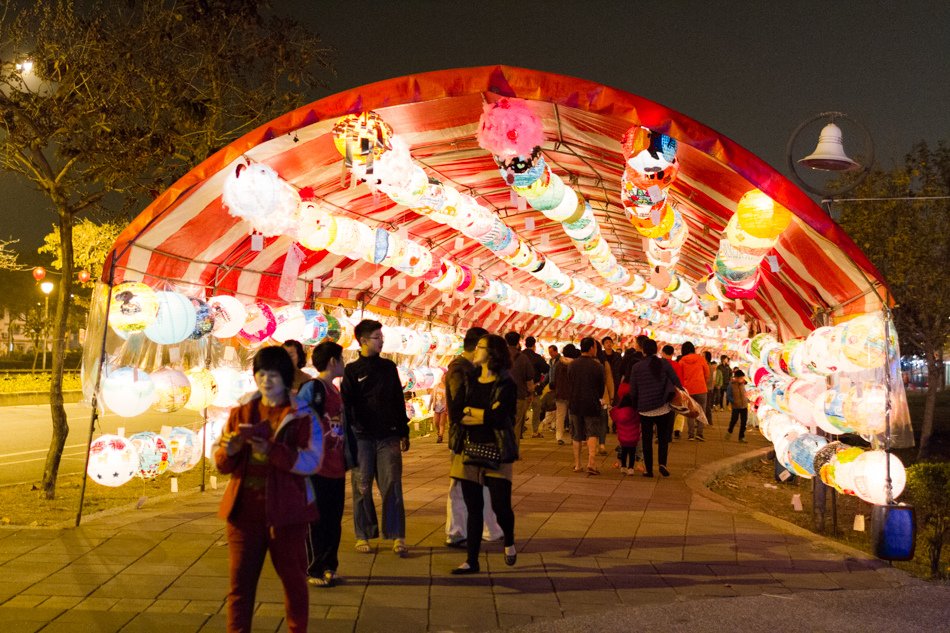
(624, 471)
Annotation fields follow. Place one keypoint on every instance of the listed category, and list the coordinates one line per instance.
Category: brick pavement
(587, 545)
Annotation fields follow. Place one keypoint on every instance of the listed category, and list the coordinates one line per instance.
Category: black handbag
(508, 446)
(483, 454)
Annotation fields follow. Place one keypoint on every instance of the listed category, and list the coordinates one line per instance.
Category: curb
(36, 397)
(698, 482)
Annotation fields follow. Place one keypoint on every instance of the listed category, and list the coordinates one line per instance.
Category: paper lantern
(211, 432)
(841, 469)
(316, 327)
(820, 352)
(659, 223)
(334, 329)
(362, 138)
(863, 408)
(802, 395)
(184, 446)
(317, 227)
(153, 454)
(745, 241)
(203, 388)
(127, 391)
(172, 390)
(176, 319)
(869, 472)
(347, 339)
(289, 323)
(230, 387)
(113, 460)
(833, 408)
(508, 128)
(761, 216)
(258, 195)
(204, 318)
(802, 451)
(862, 341)
(822, 460)
(405, 377)
(229, 316)
(259, 324)
(133, 307)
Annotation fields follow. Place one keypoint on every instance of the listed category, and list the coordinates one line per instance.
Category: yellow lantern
(647, 228)
(762, 217)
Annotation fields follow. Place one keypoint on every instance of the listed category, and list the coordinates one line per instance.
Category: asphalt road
(25, 433)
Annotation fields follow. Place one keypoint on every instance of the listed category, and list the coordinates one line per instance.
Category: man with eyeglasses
(376, 409)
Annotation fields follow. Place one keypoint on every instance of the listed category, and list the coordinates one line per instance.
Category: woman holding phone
(268, 447)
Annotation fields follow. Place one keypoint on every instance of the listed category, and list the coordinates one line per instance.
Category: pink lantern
(259, 324)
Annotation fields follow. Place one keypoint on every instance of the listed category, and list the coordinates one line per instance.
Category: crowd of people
(289, 445)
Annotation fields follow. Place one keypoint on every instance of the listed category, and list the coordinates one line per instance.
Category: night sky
(750, 70)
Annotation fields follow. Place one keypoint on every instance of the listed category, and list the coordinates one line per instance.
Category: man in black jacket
(375, 408)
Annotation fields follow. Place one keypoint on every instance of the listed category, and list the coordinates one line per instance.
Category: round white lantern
(127, 391)
(229, 316)
(869, 472)
(153, 454)
(217, 418)
(229, 386)
(290, 324)
(175, 321)
(113, 460)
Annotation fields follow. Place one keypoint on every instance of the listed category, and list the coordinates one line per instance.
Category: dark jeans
(742, 416)
(380, 460)
(664, 433)
(325, 532)
(500, 491)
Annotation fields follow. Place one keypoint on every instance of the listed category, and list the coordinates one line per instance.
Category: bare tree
(103, 106)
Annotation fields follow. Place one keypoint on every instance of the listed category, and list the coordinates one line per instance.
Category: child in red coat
(628, 434)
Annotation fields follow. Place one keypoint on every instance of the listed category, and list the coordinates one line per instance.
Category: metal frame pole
(94, 417)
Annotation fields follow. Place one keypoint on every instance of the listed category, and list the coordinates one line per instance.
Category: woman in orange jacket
(695, 380)
(268, 447)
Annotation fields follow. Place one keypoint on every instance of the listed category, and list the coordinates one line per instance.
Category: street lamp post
(46, 287)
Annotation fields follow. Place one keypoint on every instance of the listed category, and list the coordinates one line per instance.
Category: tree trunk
(934, 385)
(57, 410)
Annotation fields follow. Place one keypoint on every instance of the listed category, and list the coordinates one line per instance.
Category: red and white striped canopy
(186, 236)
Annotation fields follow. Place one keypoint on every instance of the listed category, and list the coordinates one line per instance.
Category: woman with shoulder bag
(487, 431)
(653, 384)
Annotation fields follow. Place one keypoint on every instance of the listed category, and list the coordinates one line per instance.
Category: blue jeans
(380, 460)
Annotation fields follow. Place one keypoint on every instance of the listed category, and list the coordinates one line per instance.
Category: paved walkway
(595, 553)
